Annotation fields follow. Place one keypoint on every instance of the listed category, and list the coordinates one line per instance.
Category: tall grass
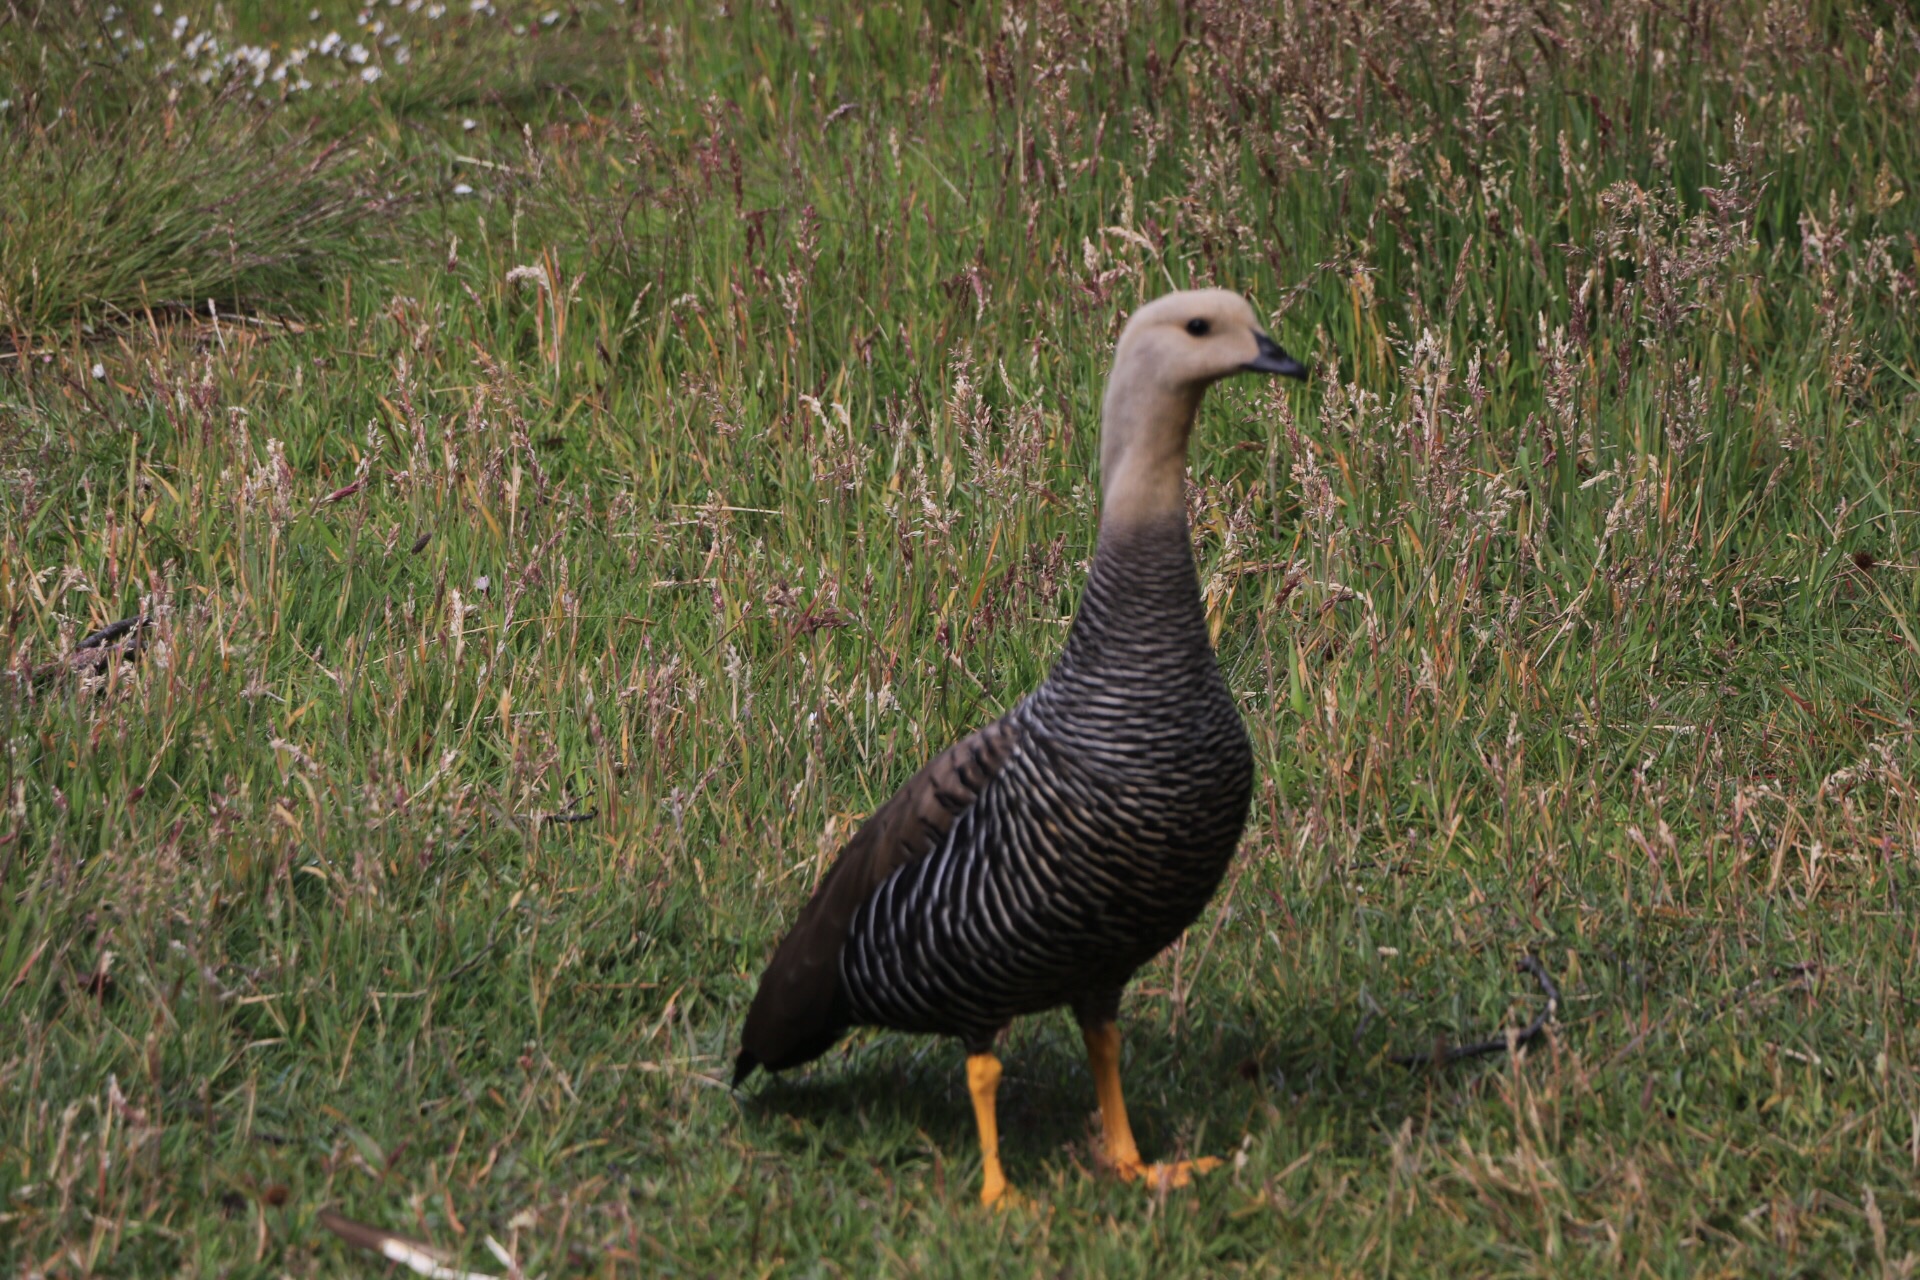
(128, 188)
(712, 439)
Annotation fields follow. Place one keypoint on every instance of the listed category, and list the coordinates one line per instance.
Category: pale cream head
(1171, 351)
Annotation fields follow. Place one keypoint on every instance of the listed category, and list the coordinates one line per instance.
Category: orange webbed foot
(1167, 1175)
(1002, 1196)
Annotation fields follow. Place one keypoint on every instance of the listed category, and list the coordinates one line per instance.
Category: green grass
(1573, 608)
(118, 199)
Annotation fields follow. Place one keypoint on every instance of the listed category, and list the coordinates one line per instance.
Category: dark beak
(1273, 359)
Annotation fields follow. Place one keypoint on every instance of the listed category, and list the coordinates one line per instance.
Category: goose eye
(1198, 327)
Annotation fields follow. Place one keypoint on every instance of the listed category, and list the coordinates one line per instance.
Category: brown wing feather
(800, 1009)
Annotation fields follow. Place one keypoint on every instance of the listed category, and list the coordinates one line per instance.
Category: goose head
(1170, 352)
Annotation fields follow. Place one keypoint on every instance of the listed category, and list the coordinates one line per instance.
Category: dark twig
(111, 632)
(95, 652)
(1442, 1055)
(570, 815)
(574, 812)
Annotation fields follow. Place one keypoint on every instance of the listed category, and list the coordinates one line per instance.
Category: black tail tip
(743, 1067)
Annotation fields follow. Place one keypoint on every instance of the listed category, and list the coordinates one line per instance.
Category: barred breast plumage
(1043, 859)
(1105, 831)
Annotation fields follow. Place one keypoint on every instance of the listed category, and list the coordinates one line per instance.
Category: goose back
(801, 1006)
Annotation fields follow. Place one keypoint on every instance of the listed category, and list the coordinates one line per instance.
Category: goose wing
(800, 1009)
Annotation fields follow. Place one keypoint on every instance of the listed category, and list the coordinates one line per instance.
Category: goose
(1042, 860)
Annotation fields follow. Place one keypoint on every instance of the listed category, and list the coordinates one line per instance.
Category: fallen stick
(421, 1259)
(1441, 1055)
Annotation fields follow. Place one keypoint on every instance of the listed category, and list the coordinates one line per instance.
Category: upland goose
(1042, 860)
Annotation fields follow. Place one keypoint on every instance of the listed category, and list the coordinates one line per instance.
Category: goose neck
(1143, 448)
(1142, 595)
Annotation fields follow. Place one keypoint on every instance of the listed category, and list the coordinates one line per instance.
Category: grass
(118, 198)
(683, 422)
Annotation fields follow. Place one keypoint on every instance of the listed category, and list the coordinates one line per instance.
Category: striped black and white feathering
(1042, 860)
(1104, 833)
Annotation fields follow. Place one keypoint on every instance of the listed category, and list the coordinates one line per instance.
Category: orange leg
(983, 1082)
(1103, 1054)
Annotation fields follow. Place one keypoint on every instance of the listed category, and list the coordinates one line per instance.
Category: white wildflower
(369, 74)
